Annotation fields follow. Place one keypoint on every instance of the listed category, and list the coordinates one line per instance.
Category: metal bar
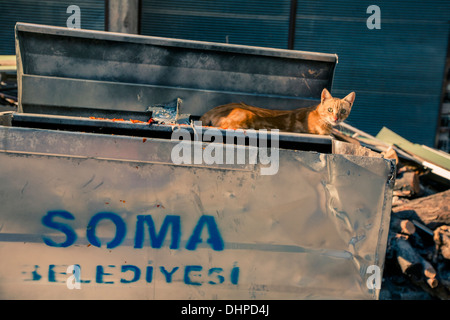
(106, 15)
(423, 227)
(123, 16)
(286, 140)
(292, 18)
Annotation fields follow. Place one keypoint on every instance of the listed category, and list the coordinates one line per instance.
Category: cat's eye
(330, 109)
(343, 111)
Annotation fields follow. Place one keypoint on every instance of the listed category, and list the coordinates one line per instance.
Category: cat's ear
(350, 98)
(325, 95)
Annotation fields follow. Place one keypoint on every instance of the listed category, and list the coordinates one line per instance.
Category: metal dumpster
(93, 208)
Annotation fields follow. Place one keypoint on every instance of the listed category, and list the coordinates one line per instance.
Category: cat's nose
(335, 118)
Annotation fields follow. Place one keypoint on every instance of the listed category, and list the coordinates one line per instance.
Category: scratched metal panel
(87, 68)
(310, 231)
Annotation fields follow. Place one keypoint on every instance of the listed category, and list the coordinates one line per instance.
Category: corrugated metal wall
(250, 22)
(396, 71)
(50, 12)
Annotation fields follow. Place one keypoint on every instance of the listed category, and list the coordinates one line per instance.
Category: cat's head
(334, 110)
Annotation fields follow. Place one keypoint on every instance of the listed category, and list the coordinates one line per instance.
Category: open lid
(77, 72)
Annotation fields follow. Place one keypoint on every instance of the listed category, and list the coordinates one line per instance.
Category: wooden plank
(8, 60)
(8, 63)
(391, 137)
(433, 210)
(373, 143)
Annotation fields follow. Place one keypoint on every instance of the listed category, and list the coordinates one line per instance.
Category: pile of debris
(417, 263)
(8, 83)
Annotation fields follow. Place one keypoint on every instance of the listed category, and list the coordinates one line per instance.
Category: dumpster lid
(71, 71)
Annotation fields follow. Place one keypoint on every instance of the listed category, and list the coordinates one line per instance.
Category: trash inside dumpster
(95, 208)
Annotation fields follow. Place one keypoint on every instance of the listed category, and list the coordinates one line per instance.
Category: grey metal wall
(51, 12)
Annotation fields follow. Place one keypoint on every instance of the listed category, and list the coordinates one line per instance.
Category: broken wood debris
(8, 83)
(418, 252)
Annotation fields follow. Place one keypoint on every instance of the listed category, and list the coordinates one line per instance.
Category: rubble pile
(8, 83)
(417, 265)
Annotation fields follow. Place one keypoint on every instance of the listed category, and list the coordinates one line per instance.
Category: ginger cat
(318, 119)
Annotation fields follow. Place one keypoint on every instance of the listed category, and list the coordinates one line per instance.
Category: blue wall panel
(396, 71)
(251, 22)
(50, 12)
